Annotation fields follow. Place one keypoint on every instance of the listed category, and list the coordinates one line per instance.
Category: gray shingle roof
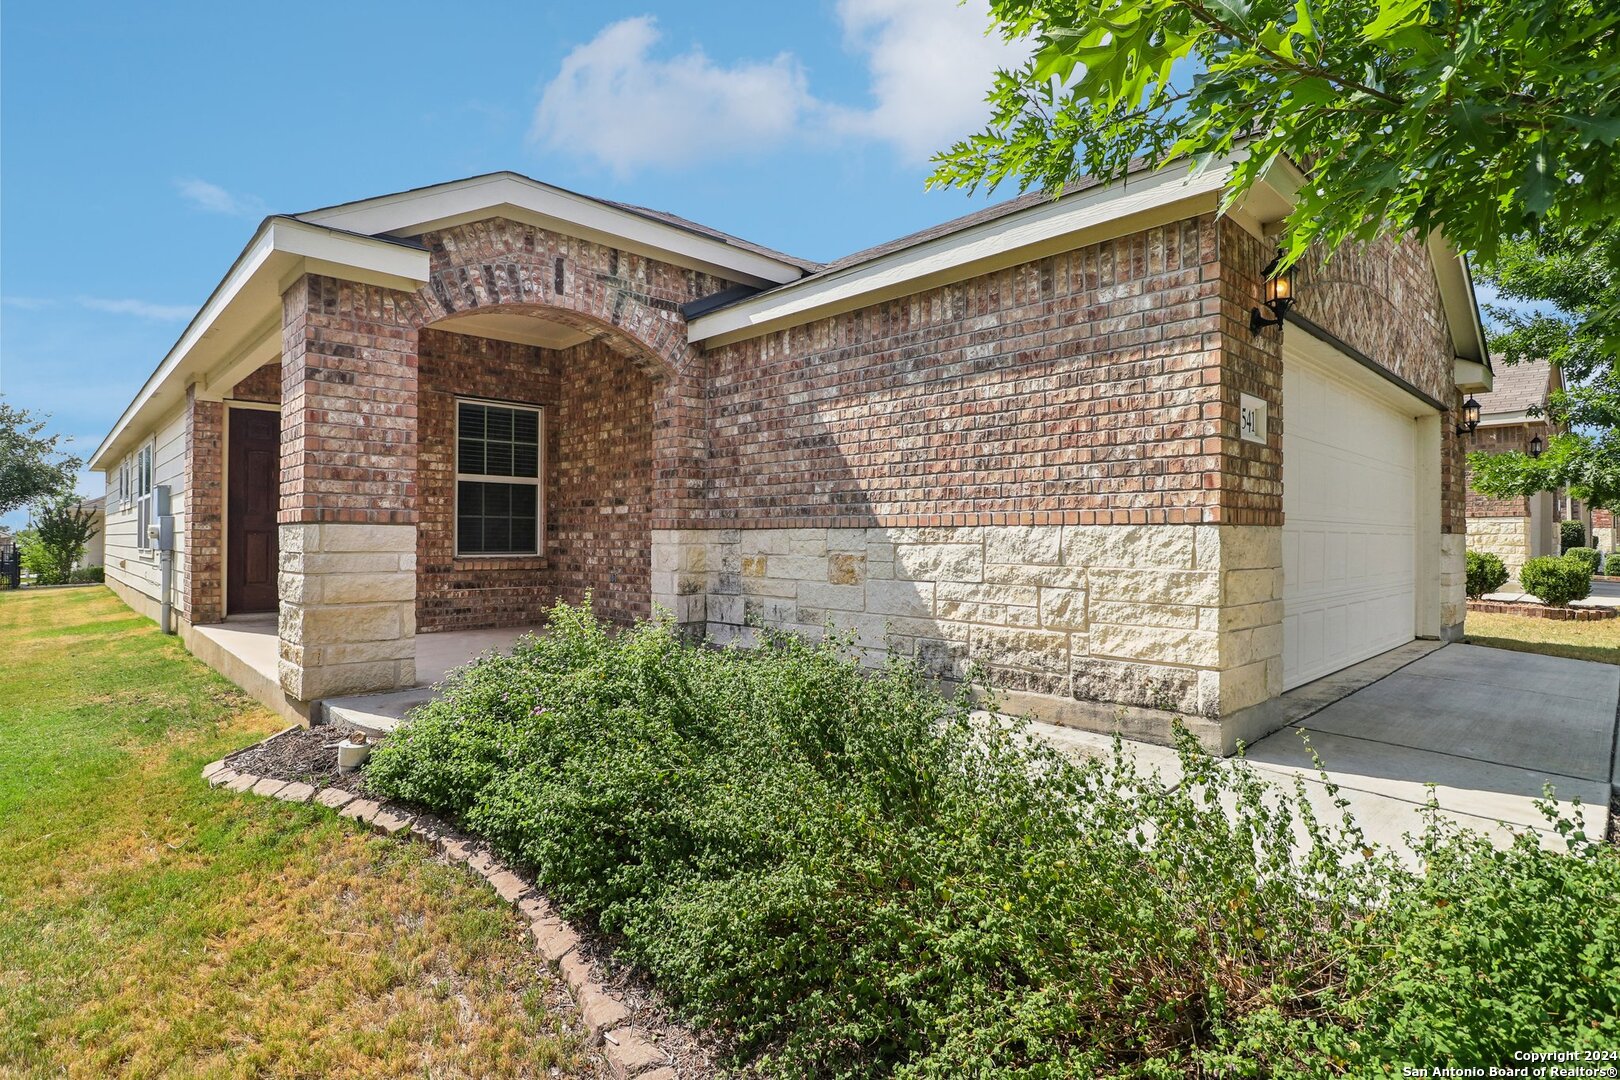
(1517, 388)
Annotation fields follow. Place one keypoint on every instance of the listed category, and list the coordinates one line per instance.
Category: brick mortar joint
(391, 820)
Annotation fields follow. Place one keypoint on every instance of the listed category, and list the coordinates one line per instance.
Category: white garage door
(1349, 536)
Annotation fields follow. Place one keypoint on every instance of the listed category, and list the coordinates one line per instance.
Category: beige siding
(126, 564)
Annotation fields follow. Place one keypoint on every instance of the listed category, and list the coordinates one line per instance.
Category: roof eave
(238, 327)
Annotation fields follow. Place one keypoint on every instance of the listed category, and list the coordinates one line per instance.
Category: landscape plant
(1571, 534)
(59, 529)
(849, 875)
(1485, 573)
(1556, 579)
(1592, 557)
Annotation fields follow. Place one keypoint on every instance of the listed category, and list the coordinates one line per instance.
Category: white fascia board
(1457, 297)
(1471, 377)
(1509, 419)
(232, 325)
(1061, 225)
(413, 213)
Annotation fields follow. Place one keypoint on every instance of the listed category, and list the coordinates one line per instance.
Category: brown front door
(255, 493)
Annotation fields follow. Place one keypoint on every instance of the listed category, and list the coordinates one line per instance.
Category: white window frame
(538, 480)
(145, 484)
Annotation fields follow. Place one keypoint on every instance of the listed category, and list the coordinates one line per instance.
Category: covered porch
(245, 649)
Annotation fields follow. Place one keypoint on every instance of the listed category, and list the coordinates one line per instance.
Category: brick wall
(263, 385)
(1496, 440)
(348, 425)
(1079, 389)
(599, 491)
(204, 599)
(598, 480)
(455, 593)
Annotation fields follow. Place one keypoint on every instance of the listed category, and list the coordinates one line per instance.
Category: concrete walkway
(1487, 727)
(1604, 594)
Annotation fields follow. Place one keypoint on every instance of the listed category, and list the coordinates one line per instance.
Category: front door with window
(254, 482)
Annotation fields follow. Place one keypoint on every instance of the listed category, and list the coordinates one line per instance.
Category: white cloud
(614, 101)
(216, 200)
(929, 64)
(141, 309)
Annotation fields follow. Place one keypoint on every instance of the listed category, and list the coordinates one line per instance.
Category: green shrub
(1486, 573)
(854, 877)
(1571, 534)
(1592, 557)
(84, 574)
(1557, 579)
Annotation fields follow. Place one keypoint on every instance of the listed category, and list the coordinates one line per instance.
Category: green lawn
(151, 926)
(1580, 640)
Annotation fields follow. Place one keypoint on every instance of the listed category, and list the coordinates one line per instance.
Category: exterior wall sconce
(1470, 417)
(1279, 296)
(1535, 447)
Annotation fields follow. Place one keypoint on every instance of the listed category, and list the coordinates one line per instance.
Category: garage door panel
(1349, 531)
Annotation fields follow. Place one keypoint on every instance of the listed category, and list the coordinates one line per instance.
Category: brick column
(348, 490)
(203, 600)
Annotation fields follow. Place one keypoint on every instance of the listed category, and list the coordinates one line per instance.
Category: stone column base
(348, 609)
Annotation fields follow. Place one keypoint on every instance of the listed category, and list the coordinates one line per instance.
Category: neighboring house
(1518, 528)
(1043, 438)
(95, 548)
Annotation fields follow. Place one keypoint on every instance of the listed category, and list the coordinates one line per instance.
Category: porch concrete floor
(252, 641)
(1487, 727)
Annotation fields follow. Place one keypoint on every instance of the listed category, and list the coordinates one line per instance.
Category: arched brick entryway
(354, 486)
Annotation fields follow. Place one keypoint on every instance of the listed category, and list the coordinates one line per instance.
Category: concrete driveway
(1488, 728)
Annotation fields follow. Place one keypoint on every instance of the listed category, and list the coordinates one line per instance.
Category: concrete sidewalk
(1487, 727)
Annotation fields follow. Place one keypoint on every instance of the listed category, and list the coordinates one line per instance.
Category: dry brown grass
(149, 926)
(1598, 641)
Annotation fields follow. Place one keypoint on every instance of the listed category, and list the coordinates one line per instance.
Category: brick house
(1519, 528)
(1043, 438)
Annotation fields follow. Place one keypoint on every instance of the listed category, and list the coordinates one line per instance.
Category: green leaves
(850, 876)
(1482, 118)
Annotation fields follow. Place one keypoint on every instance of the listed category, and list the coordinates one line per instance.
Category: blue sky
(140, 144)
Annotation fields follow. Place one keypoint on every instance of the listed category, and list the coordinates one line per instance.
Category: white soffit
(508, 195)
(239, 328)
(1061, 225)
(1457, 297)
(516, 327)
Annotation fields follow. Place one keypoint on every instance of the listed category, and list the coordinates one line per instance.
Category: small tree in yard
(32, 464)
(60, 530)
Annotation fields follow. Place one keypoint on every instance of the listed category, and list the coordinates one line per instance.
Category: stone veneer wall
(348, 491)
(1090, 624)
(1508, 538)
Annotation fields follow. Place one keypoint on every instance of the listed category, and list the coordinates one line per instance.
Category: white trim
(227, 324)
(509, 195)
(1471, 376)
(538, 480)
(1168, 195)
(1457, 297)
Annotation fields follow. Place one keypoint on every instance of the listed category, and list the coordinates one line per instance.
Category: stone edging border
(628, 1051)
(1542, 611)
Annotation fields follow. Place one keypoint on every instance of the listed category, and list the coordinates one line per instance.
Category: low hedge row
(851, 876)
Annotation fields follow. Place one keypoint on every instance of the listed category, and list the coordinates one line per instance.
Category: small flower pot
(351, 754)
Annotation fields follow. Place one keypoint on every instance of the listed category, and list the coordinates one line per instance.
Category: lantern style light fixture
(1470, 417)
(1535, 447)
(1279, 295)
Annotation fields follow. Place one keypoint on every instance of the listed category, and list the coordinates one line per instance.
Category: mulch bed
(309, 755)
(1537, 610)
